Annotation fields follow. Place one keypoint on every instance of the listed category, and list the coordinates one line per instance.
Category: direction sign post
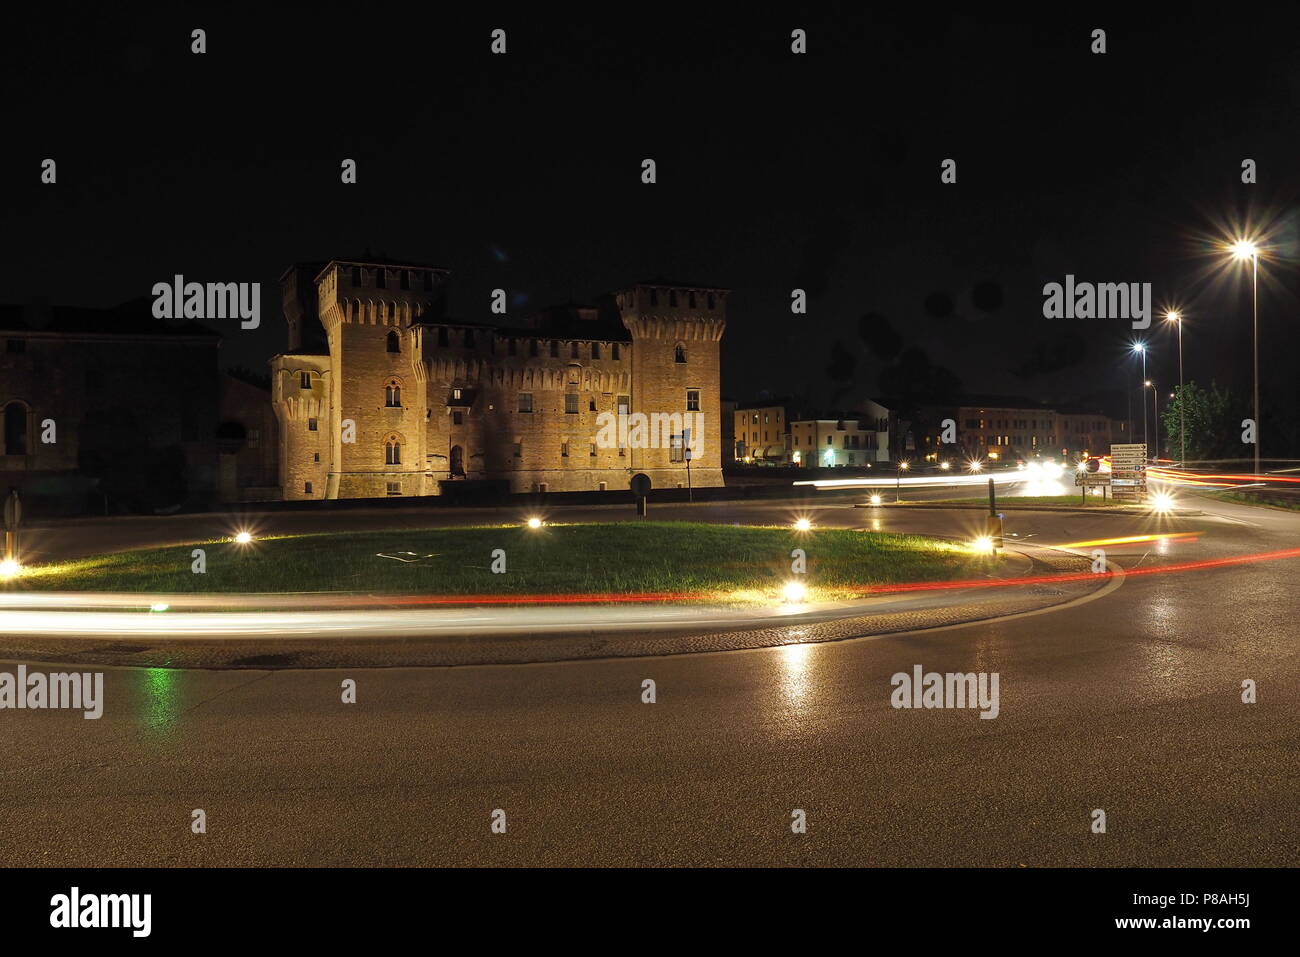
(1128, 477)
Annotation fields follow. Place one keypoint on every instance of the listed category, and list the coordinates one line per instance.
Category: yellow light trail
(1132, 539)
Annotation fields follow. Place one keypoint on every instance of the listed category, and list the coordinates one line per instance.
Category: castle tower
(378, 398)
(676, 336)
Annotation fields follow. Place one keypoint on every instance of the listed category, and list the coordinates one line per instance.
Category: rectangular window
(593, 450)
(311, 425)
(675, 449)
(519, 450)
(304, 380)
(692, 400)
(315, 457)
(455, 393)
(394, 488)
(525, 402)
(564, 448)
(306, 488)
(624, 404)
(571, 403)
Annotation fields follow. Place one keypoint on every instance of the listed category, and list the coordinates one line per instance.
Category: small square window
(692, 400)
(394, 488)
(304, 380)
(571, 403)
(311, 425)
(306, 488)
(315, 457)
(525, 402)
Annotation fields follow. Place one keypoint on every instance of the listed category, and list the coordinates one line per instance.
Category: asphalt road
(1128, 701)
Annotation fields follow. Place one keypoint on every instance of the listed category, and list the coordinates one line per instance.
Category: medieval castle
(400, 400)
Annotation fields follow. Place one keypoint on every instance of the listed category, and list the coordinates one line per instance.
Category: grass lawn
(1245, 498)
(724, 561)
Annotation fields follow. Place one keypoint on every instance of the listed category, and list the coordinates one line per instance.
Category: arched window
(392, 450)
(394, 342)
(16, 429)
(393, 394)
(679, 354)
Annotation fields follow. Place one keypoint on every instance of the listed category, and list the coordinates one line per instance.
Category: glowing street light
(945, 465)
(875, 500)
(802, 525)
(1141, 349)
(9, 569)
(903, 466)
(243, 538)
(534, 522)
(1244, 249)
(1177, 320)
(975, 465)
(794, 592)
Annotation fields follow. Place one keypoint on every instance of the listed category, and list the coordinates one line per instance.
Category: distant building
(761, 432)
(107, 409)
(404, 401)
(855, 439)
(1000, 428)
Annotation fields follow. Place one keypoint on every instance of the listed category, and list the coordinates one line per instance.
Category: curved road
(1129, 701)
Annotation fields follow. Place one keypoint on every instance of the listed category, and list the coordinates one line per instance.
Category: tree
(1208, 416)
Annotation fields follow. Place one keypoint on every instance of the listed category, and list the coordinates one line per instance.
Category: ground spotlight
(534, 522)
(9, 569)
(802, 525)
(243, 538)
(983, 544)
(1162, 502)
(794, 592)
(875, 500)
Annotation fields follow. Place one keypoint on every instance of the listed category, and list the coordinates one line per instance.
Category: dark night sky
(775, 171)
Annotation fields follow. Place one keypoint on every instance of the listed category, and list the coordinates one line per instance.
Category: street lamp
(1141, 349)
(1155, 414)
(1177, 320)
(1244, 249)
(898, 485)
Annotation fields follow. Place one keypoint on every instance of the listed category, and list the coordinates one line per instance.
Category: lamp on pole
(1244, 249)
(1177, 320)
(1155, 413)
(1141, 349)
(898, 483)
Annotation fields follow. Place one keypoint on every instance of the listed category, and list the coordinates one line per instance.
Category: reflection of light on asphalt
(161, 699)
(794, 674)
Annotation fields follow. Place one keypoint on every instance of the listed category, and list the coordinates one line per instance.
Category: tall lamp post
(1244, 249)
(1177, 320)
(1155, 413)
(1141, 349)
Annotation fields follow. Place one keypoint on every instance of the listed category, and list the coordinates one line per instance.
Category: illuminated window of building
(392, 451)
(525, 402)
(394, 343)
(679, 353)
(675, 450)
(393, 395)
(304, 380)
(692, 400)
(311, 425)
(571, 403)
